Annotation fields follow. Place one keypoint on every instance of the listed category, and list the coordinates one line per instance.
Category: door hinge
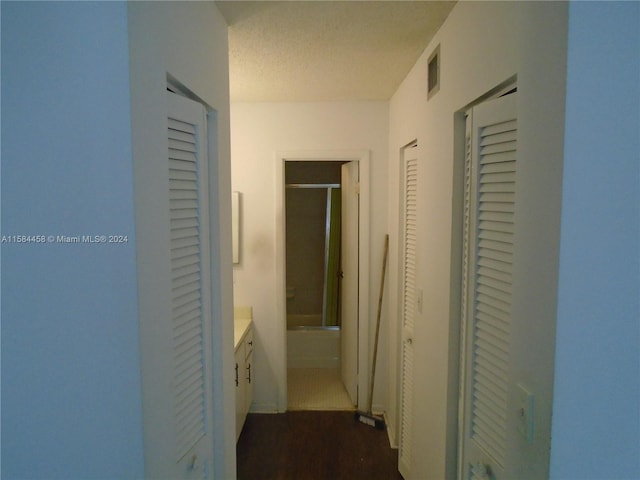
(357, 188)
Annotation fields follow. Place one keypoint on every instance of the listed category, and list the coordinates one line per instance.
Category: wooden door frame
(362, 157)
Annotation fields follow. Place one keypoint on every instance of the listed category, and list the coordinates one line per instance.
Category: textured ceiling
(325, 51)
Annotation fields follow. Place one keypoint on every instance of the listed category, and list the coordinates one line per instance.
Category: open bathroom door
(349, 288)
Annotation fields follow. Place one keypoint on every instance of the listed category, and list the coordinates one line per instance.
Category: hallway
(317, 445)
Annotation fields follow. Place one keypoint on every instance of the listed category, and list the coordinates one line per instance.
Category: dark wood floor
(314, 446)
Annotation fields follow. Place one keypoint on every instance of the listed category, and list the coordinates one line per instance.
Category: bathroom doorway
(352, 327)
(313, 213)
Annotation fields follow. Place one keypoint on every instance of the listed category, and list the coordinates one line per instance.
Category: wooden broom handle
(375, 344)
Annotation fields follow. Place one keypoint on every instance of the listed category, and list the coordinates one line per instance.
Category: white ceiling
(325, 50)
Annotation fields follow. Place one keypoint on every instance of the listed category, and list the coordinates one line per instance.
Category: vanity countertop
(241, 323)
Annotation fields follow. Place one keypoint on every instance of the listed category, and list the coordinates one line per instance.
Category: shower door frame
(362, 158)
(328, 187)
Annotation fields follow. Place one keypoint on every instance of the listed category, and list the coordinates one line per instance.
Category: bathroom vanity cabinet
(243, 336)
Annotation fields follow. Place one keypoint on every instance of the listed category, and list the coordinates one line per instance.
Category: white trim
(362, 157)
(390, 433)
(263, 407)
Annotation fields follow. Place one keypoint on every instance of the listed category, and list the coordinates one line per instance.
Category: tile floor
(317, 389)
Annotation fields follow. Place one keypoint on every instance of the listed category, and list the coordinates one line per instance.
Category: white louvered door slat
(408, 296)
(492, 351)
(186, 289)
(490, 196)
(190, 294)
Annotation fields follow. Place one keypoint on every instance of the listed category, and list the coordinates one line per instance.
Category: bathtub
(304, 320)
(309, 347)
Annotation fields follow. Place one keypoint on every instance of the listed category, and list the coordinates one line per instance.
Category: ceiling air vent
(433, 73)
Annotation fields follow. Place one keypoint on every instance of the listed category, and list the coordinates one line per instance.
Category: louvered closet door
(190, 288)
(490, 198)
(408, 305)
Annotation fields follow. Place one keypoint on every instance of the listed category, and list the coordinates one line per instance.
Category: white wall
(187, 40)
(596, 416)
(71, 400)
(481, 44)
(77, 80)
(258, 131)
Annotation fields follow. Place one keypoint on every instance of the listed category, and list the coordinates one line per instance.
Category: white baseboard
(263, 408)
(390, 432)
